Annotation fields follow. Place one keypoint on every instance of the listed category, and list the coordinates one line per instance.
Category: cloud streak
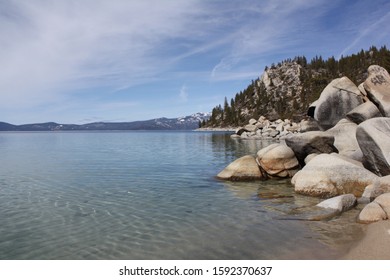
(60, 54)
(183, 95)
(55, 46)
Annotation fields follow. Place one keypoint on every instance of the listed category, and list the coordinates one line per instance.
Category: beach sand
(375, 244)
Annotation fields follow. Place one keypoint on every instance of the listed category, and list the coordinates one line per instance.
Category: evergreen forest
(291, 97)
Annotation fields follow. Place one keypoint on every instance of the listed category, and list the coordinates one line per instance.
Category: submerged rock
(339, 203)
(324, 210)
(242, 169)
(312, 213)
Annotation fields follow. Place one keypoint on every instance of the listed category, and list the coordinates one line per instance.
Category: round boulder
(372, 212)
(278, 160)
(242, 169)
(384, 201)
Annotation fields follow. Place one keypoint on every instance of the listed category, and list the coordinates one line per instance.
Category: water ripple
(141, 195)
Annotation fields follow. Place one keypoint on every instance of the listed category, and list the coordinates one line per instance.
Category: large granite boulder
(330, 175)
(336, 100)
(311, 142)
(278, 160)
(377, 86)
(344, 133)
(242, 169)
(364, 112)
(373, 137)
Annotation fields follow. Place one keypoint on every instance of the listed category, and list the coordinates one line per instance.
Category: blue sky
(79, 61)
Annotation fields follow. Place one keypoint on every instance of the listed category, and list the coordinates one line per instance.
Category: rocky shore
(273, 130)
(340, 152)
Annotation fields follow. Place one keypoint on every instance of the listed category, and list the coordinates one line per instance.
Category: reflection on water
(149, 195)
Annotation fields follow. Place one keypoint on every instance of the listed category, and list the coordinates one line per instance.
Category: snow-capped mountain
(182, 123)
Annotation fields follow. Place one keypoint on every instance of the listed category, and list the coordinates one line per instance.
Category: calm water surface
(149, 195)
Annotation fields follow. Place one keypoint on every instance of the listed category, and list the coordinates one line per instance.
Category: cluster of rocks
(347, 159)
(266, 129)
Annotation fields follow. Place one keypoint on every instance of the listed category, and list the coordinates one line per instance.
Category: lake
(150, 195)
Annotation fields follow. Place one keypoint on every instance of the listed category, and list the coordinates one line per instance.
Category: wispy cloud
(183, 95)
(65, 54)
(56, 46)
(268, 27)
(379, 27)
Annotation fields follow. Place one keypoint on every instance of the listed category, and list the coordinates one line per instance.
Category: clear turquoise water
(148, 195)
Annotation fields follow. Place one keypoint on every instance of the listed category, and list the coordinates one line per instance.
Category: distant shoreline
(227, 129)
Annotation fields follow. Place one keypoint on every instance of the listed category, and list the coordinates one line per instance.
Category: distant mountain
(183, 123)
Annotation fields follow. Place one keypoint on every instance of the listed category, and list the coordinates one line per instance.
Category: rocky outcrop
(336, 101)
(330, 175)
(278, 160)
(242, 169)
(373, 137)
(344, 151)
(312, 142)
(377, 86)
(265, 129)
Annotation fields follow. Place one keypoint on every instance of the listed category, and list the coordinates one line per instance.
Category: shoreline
(373, 245)
(227, 129)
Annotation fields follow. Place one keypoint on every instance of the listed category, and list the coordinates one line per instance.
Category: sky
(81, 61)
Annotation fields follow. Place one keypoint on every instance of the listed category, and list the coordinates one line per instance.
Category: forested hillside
(285, 90)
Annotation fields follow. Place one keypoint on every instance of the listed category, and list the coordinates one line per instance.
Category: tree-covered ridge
(287, 89)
